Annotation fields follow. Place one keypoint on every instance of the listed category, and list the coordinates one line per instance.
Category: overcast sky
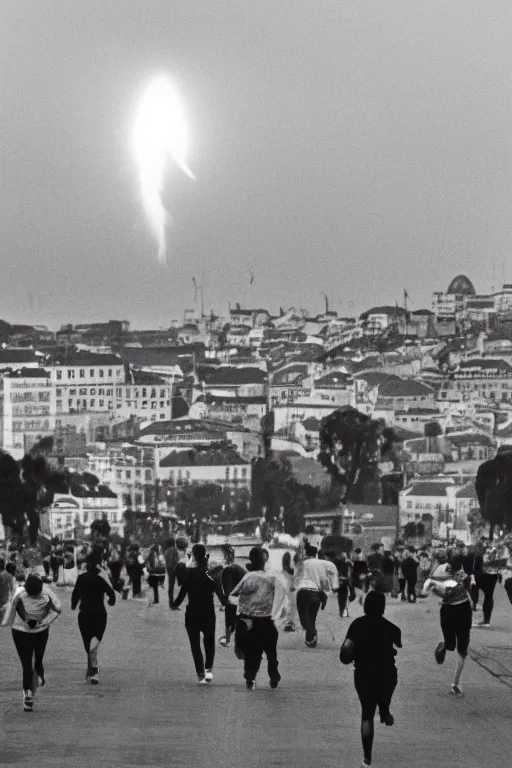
(352, 148)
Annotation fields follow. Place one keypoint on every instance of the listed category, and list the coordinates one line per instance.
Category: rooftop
(429, 489)
(77, 359)
(404, 388)
(203, 458)
(18, 356)
(235, 376)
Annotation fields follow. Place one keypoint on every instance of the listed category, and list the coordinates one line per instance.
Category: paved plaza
(148, 710)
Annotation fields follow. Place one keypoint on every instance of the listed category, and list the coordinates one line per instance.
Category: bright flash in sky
(160, 134)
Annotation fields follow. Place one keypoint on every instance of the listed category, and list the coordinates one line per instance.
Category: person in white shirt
(313, 579)
(33, 608)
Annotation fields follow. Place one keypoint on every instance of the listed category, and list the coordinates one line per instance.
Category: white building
(66, 511)
(28, 409)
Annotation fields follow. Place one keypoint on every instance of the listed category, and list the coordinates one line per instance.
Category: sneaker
(201, 680)
(365, 763)
(93, 675)
(388, 719)
(41, 680)
(312, 643)
(345, 614)
(250, 685)
(274, 681)
(28, 701)
(482, 625)
(224, 642)
(208, 676)
(440, 653)
(456, 689)
(289, 628)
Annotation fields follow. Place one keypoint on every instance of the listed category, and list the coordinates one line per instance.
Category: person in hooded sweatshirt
(33, 608)
(370, 644)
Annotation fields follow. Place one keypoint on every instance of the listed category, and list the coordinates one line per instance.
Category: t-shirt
(90, 590)
(374, 643)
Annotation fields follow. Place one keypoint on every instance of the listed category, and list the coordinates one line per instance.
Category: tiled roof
(467, 491)
(227, 400)
(146, 377)
(374, 378)
(198, 458)
(487, 363)
(333, 379)
(29, 373)
(404, 388)
(233, 376)
(87, 358)
(419, 412)
(385, 310)
(17, 356)
(471, 439)
(162, 356)
(429, 489)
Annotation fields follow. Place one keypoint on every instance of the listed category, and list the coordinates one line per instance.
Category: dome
(462, 285)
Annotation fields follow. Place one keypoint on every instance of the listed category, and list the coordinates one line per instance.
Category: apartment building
(27, 401)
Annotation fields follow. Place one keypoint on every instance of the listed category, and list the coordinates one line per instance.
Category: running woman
(33, 608)
(456, 619)
(370, 643)
(262, 601)
(90, 590)
(200, 612)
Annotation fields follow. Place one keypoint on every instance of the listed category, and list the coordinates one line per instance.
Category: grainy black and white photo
(255, 383)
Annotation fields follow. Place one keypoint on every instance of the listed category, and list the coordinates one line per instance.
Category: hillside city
(176, 423)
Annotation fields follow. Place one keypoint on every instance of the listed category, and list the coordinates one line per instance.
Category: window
(91, 373)
(101, 391)
(162, 393)
(93, 391)
(82, 391)
(244, 473)
(72, 391)
(148, 475)
(110, 405)
(110, 373)
(162, 403)
(153, 393)
(82, 373)
(144, 392)
(128, 474)
(144, 403)
(137, 473)
(59, 405)
(102, 373)
(102, 404)
(70, 403)
(119, 474)
(128, 392)
(109, 392)
(92, 403)
(59, 375)
(153, 405)
(71, 373)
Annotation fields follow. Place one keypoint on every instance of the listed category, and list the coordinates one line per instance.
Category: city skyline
(356, 152)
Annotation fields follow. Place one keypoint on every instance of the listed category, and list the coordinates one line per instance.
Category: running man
(456, 619)
(90, 590)
(313, 579)
(200, 613)
(33, 608)
(232, 574)
(370, 643)
(262, 601)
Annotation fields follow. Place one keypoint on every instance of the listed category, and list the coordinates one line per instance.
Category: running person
(90, 590)
(262, 600)
(232, 574)
(313, 579)
(200, 612)
(370, 644)
(456, 619)
(33, 608)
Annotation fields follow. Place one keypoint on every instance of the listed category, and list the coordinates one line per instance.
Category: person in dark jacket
(200, 613)
(90, 591)
(232, 574)
(172, 558)
(156, 570)
(410, 565)
(370, 643)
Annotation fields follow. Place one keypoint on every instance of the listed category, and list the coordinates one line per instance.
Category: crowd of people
(259, 601)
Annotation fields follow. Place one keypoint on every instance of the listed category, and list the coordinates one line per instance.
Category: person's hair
(11, 569)
(287, 562)
(199, 555)
(357, 551)
(375, 547)
(33, 585)
(92, 561)
(257, 559)
(411, 549)
(310, 550)
(375, 604)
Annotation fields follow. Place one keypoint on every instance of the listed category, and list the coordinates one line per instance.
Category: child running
(456, 619)
(90, 590)
(33, 608)
(200, 612)
(370, 644)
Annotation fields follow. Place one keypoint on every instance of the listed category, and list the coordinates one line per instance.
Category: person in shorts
(456, 619)
(370, 643)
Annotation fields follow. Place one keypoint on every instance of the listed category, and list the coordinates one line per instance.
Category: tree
(493, 487)
(274, 486)
(351, 447)
(432, 429)
(27, 488)
(410, 530)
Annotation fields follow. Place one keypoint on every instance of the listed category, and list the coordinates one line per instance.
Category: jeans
(487, 583)
(342, 598)
(308, 605)
(411, 588)
(260, 639)
(154, 581)
(195, 625)
(30, 645)
(171, 580)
